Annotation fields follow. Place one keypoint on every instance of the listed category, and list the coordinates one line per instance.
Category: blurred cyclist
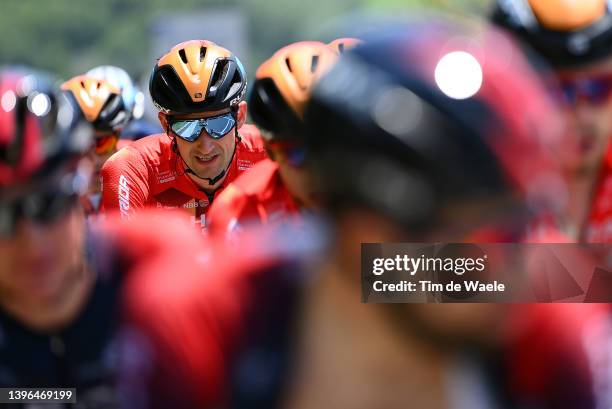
(198, 87)
(60, 287)
(133, 98)
(106, 105)
(277, 188)
(414, 137)
(576, 38)
(44, 279)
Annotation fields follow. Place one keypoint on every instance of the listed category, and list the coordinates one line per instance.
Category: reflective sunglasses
(105, 143)
(294, 152)
(43, 207)
(594, 91)
(44, 203)
(216, 127)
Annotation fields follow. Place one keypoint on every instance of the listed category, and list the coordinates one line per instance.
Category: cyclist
(576, 39)
(43, 275)
(60, 283)
(104, 105)
(413, 140)
(276, 188)
(199, 88)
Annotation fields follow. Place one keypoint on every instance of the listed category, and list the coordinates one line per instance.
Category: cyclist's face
(39, 259)
(207, 156)
(442, 325)
(588, 92)
(294, 176)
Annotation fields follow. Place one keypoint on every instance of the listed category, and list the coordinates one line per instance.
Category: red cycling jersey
(92, 201)
(149, 173)
(209, 339)
(258, 195)
(599, 227)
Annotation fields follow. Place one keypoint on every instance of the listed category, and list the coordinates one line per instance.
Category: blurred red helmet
(40, 128)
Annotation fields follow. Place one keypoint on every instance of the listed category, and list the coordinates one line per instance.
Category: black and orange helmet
(100, 101)
(283, 84)
(565, 32)
(197, 76)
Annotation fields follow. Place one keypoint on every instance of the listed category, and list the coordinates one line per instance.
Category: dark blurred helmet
(197, 76)
(431, 114)
(283, 85)
(42, 138)
(565, 32)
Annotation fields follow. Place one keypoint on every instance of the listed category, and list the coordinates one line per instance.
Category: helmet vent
(314, 63)
(82, 84)
(341, 47)
(288, 64)
(219, 73)
(183, 55)
(202, 53)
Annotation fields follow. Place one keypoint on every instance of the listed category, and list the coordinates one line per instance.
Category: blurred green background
(71, 36)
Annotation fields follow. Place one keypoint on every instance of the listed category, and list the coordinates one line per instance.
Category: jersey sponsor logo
(192, 204)
(244, 164)
(195, 203)
(166, 176)
(124, 197)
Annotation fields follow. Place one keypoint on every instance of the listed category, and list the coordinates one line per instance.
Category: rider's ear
(241, 113)
(163, 120)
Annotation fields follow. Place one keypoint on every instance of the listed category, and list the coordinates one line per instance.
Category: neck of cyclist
(204, 183)
(210, 185)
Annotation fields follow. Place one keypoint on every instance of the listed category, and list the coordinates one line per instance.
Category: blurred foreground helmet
(43, 139)
(283, 85)
(132, 97)
(431, 114)
(565, 32)
(40, 128)
(197, 76)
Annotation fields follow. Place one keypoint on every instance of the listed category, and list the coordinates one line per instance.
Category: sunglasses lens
(569, 93)
(105, 144)
(217, 127)
(188, 130)
(296, 156)
(597, 91)
(41, 207)
(220, 126)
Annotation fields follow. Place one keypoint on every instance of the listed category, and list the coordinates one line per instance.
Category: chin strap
(211, 181)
